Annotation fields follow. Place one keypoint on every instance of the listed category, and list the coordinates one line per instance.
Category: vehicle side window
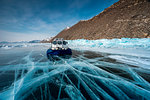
(64, 42)
(54, 42)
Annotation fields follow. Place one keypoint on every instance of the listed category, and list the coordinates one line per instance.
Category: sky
(25, 20)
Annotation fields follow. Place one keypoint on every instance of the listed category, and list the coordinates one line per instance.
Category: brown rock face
(124, 19)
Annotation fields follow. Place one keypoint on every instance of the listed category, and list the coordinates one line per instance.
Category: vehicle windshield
(59, 42)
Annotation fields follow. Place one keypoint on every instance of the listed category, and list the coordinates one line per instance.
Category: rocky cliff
(124, 19)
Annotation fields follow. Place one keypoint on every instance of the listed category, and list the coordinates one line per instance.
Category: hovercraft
(59, 48)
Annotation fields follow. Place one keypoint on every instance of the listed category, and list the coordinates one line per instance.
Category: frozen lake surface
(98, 69)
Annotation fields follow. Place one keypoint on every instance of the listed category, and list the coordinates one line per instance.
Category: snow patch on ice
(22, 45)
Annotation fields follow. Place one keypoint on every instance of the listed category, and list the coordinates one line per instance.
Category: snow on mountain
(47, 40)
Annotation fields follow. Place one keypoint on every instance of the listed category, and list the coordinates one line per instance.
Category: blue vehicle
(59, 48)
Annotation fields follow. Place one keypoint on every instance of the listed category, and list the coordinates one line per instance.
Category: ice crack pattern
(26, 74)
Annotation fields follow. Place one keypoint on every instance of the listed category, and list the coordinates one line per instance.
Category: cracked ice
(93, 72)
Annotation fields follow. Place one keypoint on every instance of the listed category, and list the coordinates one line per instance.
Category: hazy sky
(24, 20)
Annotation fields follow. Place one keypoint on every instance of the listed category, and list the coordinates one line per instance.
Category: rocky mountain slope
(124, 19)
